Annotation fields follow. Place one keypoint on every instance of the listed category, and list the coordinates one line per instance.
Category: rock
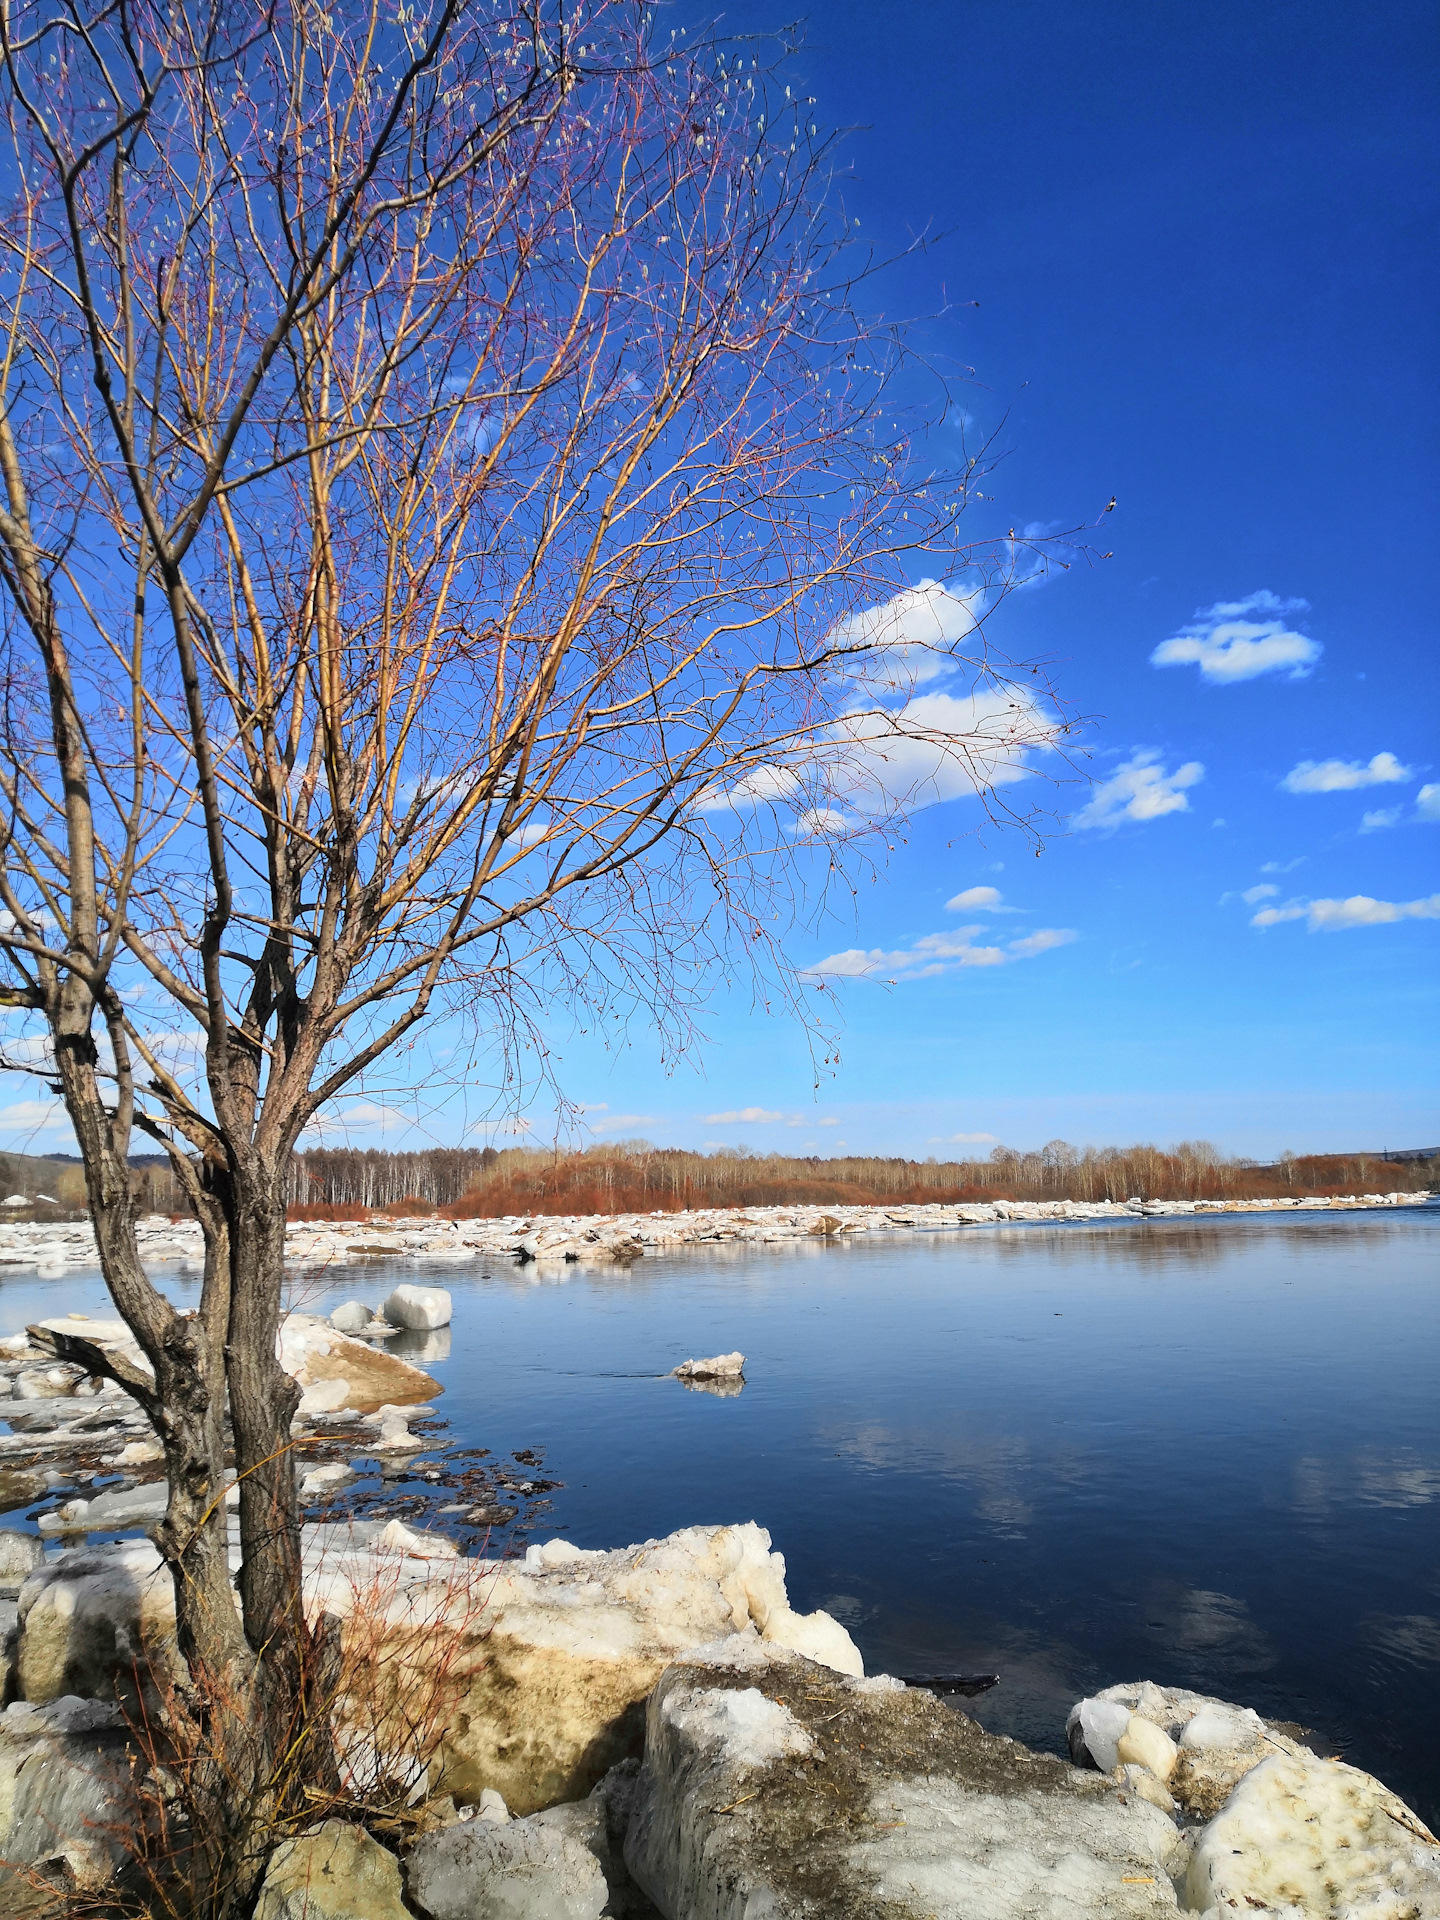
(552, 1658)
(324, 1396)
(335, 1873)
(418, 1309)
(723, 1366)
(1216, 1744)
(20, 1554)
(320, 1482)
(773, 1787)
(396, 1537)
(394, 1435)
(89, 1616)
(1147, 1746)
(312, 1351)
(47, 1383)
(541, 1868)
(1301, 1836)
(66, 1789)
(491, 1806)
(351, 1317)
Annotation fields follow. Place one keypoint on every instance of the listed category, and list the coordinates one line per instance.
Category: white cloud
(754, 1116)
(821, 820)
(1380, 818)
(1283, 866)
(614, 1120)
(34, 1116)
(876, 760)
(974, 900)
(366, 1116)
(829, 1123)
(1263, 892)
(937, 953)
(1228, 648)
(1043, 940)
(1427, 801)
(905, 641)
(1335, 916)
(1140, 790)
(1343, 776)
(963, 1139)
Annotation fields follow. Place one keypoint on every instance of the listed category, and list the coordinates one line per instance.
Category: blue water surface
(1203, 1453)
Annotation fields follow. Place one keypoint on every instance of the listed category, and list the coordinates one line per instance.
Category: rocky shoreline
(51, 1249)
(653, 1731)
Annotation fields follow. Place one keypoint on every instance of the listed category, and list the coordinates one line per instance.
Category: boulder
(335, 1873)
(20, 1554)
(1205, 1747)
(551, 1659)
(320, 1482)
(351, 1317)
(1304, 1836)
(47, 1383)
(773, 1786)
(311, 1351)
(89, 1616)
(722, 1366)
(546, 1867)
(418, 1309)
(66, 1789)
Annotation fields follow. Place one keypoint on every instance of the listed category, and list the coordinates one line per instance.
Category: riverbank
(599, 1239)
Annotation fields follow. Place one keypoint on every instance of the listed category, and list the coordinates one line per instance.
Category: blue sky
(1201, 243)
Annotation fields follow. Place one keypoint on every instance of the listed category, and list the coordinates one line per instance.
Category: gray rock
(418, 1309)
(352, 1317)
(774, 1786)
(545, 1867)
(66, 1790)
(335, 1873)
(20, 1554)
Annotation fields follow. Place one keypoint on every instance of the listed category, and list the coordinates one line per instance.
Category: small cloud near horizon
(935, 954)
(963, 1140)
(751, 1116)
(1229, 648)
(1360, 910)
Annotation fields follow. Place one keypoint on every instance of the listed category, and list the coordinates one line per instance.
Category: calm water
(1204, 1454)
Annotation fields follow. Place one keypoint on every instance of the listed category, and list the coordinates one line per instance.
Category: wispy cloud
(1427, 801)
(751, 1116)
(963, 1140)
(1379, 818)
(905, 640)
(974, 900)
(1343, 776)
(937, 953)
(1263, 892)
(877, 760)
(1141, 789)
(609, 1122)
(34, 1116)
(1228, 647)
(1360, 910)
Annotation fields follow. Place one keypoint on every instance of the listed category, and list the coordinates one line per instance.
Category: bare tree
(456, 531)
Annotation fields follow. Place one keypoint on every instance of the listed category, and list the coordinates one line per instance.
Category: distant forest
(634, 1177)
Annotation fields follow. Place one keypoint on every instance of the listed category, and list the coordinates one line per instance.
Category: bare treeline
(367, 1178)
(635, 1177)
